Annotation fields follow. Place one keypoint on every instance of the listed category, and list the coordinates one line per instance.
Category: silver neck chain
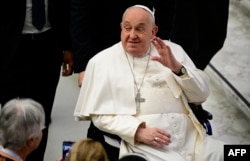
(138, 98)
(130, 66)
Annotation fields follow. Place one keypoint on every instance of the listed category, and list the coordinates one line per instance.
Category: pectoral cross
(138, 101)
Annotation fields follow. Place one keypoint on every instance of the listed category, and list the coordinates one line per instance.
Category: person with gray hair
(21, 125)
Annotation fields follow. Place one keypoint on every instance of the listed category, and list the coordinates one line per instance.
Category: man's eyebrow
(126, 22)
(140, 24)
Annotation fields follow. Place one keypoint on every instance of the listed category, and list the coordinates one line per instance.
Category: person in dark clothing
(32, 57)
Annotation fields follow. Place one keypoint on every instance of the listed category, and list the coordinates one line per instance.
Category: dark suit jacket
(12, 22)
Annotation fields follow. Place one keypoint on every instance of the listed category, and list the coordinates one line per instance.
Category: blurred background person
(86, 150)
(21, 125)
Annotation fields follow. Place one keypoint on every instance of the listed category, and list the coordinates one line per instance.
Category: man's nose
(133, 34)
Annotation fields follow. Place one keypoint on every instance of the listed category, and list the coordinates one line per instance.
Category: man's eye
(140, 29)
(127, 28)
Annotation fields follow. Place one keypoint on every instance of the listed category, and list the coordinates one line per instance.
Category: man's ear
(121, 25)
(155, 30)
(30, 142)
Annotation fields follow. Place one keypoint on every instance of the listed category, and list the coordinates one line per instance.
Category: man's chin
(132, 51)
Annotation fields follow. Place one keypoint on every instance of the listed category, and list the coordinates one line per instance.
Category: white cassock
(107, 96)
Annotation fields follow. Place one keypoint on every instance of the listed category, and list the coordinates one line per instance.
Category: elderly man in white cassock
(139, 90)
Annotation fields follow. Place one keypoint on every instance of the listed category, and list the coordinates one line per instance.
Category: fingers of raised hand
(159, 43)
(161, 47)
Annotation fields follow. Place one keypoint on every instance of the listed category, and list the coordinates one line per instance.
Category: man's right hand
(153, 136)
(80, 78)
